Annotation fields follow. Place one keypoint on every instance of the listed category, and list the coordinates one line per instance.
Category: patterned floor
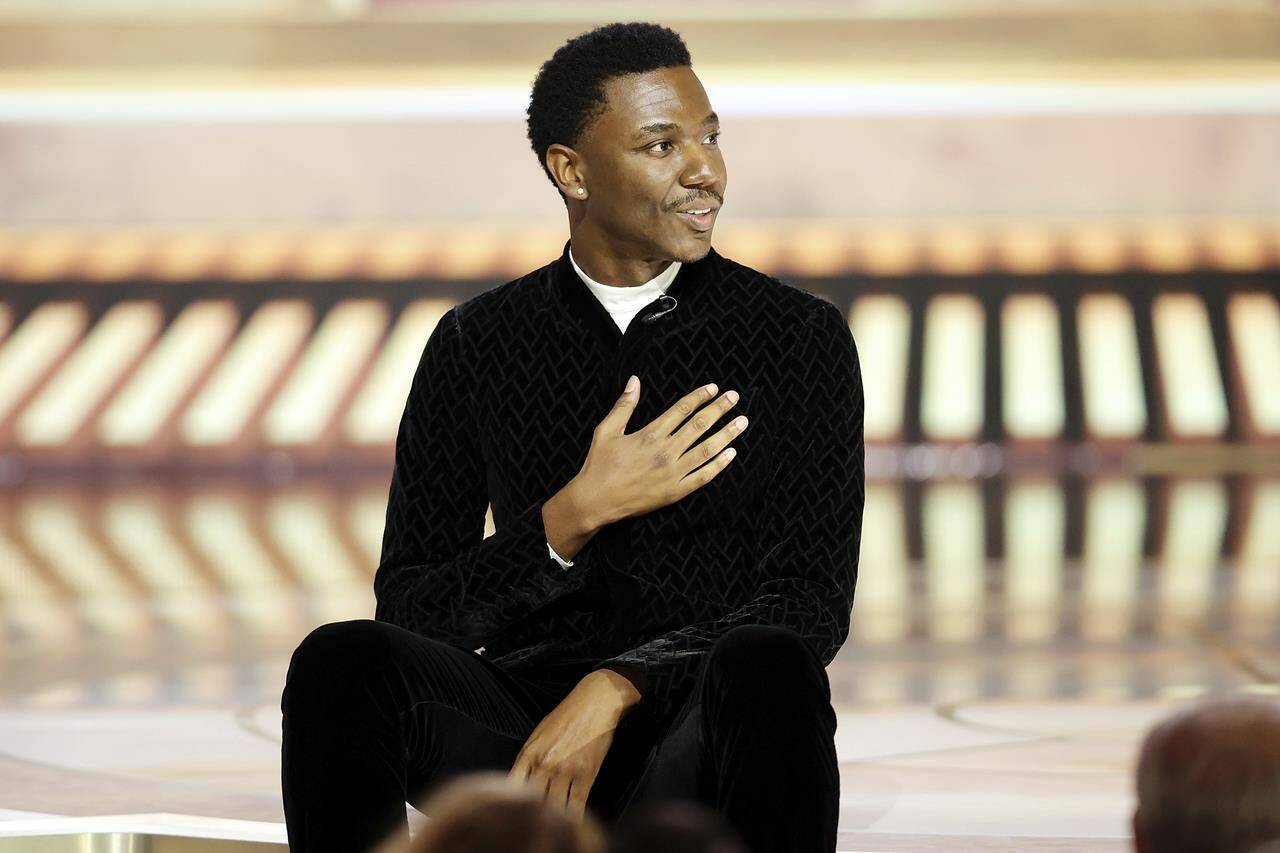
(1011, 642)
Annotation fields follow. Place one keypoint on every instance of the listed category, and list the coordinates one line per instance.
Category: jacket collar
(688, 291)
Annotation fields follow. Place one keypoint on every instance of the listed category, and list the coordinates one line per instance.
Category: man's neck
(607, 267)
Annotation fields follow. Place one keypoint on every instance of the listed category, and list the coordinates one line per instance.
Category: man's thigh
(632, 745)
(455, 710)
(465, 743)
(445, 742)
(465, 714)
(674, 768)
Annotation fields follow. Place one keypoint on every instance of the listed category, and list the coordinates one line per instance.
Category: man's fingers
(536, 781)
(577, 804)
(690, 403)
(562, 790)
(620, 414)
(558, 790)
(518, 768)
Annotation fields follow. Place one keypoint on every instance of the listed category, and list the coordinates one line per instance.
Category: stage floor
(991, 696)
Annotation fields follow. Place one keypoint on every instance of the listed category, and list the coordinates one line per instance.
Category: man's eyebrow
(666, 126)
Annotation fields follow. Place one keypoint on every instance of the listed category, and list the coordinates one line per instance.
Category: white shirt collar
(616, 297)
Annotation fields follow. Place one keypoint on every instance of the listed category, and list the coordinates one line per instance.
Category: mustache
(681, 204)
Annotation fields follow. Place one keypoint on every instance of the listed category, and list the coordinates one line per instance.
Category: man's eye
(654, 146)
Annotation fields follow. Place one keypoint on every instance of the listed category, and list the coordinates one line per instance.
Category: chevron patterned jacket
(501, 410)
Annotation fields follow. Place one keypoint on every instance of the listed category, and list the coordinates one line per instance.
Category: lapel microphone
(649, 318)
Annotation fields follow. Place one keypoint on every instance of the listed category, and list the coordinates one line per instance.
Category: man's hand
(563, 755)
(627, 474)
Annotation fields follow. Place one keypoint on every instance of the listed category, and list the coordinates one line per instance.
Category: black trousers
(376, 716)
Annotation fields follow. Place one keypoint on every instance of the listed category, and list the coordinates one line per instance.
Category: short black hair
(568, 93)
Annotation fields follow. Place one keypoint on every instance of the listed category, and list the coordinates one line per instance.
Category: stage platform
(1012, 641)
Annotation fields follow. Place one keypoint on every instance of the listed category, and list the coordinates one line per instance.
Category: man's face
(654, 151)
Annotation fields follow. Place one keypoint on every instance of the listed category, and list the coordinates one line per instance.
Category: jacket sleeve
(438, 576)
(810, 531)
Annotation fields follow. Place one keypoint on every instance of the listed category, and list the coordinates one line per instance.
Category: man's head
(624, 130)
(1209, 780)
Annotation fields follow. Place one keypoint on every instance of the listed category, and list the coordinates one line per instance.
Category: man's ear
(562, 162)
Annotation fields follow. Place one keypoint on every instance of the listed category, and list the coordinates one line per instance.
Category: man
(1208, 780)
(652, 617)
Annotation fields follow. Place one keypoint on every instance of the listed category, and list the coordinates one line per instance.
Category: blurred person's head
(1208, 779)
(488, 812)
(673, 826)
(590, 122)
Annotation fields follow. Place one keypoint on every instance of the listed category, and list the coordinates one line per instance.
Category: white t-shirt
(623, 304)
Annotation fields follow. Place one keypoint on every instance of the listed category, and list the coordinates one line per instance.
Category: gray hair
(1208, 779)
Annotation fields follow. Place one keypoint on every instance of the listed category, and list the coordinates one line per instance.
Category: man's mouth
(699, 218)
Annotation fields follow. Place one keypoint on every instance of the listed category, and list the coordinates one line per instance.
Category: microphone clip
(649, 318)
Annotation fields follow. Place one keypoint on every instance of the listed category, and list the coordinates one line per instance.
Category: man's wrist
(585, 509)
(569, 520)
(619, 688)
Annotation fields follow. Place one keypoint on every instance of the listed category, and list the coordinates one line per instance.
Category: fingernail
(631, 384)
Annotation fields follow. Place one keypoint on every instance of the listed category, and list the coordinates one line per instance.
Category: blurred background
(228, 228)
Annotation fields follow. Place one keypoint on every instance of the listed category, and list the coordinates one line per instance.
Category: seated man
(1208, 780)
(653, 616)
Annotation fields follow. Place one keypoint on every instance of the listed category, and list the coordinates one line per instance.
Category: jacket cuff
(546, 578)
(561, 560)
(635, 676)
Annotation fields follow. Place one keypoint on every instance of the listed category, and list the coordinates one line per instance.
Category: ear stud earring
(581, 190)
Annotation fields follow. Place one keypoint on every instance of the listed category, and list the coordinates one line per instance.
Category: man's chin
(687, 254)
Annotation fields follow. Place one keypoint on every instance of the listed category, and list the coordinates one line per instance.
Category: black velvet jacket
(509, 388)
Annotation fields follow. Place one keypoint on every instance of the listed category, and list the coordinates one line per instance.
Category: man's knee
(771, 655)
(332, 656)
